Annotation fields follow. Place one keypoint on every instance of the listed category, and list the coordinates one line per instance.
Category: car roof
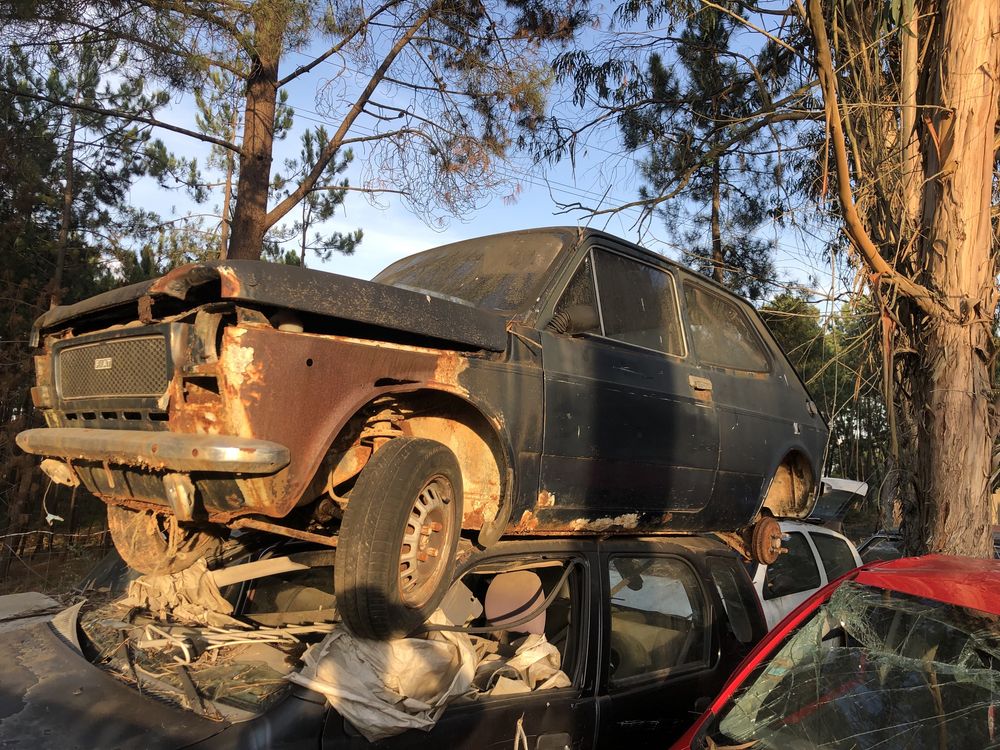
(965, 581)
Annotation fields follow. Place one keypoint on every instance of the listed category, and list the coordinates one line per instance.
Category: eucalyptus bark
(939, 281)
(952, 392)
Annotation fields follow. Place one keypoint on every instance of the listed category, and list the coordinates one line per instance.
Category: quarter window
(638, 304)
(793, 571)
(579, 302)
(835, 554)
(657, 617)
(721, 332)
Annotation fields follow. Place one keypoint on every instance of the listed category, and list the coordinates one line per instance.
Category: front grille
(132, 367)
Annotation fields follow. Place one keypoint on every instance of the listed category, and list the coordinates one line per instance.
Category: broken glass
(873, 668)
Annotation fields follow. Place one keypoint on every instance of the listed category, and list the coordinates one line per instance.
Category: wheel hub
(426, 535)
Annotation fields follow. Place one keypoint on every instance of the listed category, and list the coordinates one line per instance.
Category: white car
(815, 557)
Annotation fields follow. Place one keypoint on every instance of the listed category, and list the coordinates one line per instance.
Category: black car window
(835, 554)
(578, 303)
(793, 571)
(638, 304)
(722, 334)
(735, 597)
(657, 617)
(529, 583)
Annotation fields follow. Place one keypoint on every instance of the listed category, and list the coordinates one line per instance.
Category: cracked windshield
(874, 669)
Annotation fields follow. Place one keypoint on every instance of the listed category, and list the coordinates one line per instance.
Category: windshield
(873, 669)
(503, 273)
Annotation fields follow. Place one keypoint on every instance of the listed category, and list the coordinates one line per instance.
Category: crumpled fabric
(188, 596)
(534, 666)
(387, 687)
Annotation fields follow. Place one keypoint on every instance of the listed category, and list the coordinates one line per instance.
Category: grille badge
(102, 363)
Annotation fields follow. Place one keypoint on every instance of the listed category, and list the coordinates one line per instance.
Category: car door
(764, 412)
(629, 429)
(789, 580)
(661, 642)
(543, 719)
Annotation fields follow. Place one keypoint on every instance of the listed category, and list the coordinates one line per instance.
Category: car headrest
(510, 596)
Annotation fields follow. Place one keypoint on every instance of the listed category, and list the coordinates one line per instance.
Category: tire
(386, 583)
(142, 538)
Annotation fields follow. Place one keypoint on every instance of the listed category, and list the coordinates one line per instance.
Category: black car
(645, 627)
(546, 382)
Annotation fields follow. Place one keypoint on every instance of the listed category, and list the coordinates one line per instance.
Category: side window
(638, 304)
(793, 571)
(835, 554)
(657, 617)
(577, 308)
(736, 599)
(514, 654)
(721, 333)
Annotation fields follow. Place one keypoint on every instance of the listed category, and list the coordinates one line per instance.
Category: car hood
(293, 288)
(51, 696)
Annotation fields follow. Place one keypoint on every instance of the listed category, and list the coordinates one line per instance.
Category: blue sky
(601, 171)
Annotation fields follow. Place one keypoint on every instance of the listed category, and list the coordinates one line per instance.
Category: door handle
(557, 741)
(699, 383)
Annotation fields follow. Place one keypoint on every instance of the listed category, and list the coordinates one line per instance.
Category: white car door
(790, 580)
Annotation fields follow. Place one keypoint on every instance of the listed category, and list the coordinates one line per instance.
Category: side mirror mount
(574, 320)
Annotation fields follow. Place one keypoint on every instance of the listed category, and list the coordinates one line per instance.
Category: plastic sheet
(189, 596)
(387, 687)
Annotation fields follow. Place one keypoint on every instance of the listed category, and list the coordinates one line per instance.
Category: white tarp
(387, 687)
(188, 596)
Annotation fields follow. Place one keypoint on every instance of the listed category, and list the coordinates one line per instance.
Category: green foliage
(839, 360)
(319, 204)
(692, 106)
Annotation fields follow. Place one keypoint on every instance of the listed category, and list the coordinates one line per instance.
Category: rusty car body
(582, 383)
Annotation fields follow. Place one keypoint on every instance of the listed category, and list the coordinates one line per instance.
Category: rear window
(722, 333)
(794, 571)
(835, 554)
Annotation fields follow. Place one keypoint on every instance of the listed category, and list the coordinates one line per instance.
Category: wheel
(143, 539)
(396, 551)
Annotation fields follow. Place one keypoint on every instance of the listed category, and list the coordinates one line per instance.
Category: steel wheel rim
(426, 542)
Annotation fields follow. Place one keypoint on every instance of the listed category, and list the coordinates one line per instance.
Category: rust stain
(449, 366)
(528, 522)
(625, 521)
(546, 499)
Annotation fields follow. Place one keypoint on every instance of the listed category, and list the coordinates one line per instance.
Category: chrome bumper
(157, 450)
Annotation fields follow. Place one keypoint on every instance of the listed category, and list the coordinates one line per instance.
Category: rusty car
(543, 382)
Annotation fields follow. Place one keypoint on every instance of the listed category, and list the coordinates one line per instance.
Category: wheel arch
(479, 443)
(791, 490)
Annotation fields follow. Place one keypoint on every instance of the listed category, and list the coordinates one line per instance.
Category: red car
(900, 654)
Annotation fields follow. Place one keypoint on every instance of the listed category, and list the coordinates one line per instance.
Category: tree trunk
(55, 295)
(249, 217)
(717, 259)
(227, 198)
(952, 391)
